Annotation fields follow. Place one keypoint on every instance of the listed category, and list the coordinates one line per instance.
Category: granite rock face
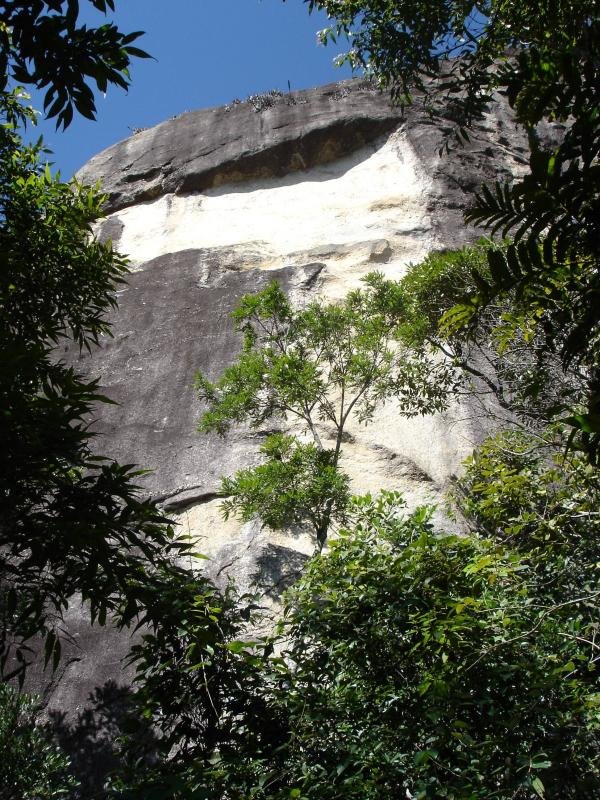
(290, 135)
(205, 149)
(314, 189)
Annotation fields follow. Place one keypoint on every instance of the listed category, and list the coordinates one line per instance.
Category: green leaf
(589, 423)
(538, 787)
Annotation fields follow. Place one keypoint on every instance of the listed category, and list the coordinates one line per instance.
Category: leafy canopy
(524, 491)
(198, 692)
(43, 43)
(409, 662)
(297, 484)
(455, 55)
(73, 526)
(31, 766)
(504, 363)
(72, 521)
(416, 664)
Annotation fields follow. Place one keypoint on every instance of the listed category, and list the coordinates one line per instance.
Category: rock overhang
(204, 149)
(290, 134)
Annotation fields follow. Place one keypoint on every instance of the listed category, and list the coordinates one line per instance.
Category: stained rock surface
(314, 189)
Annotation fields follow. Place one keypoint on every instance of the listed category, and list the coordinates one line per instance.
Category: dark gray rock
(292, 133)
(457, 175)
(173, 319)
(203, 149)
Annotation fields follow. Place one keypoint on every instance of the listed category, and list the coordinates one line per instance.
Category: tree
(503, 365)
(297, 484)
(72, 522)
(317, 366)
(42, 43)
(74, 526)
(455, 55)
(199, 692)
(545, 59)
(522, 491)
(415, 666)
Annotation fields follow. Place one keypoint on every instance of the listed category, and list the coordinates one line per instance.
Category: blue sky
(207, 53)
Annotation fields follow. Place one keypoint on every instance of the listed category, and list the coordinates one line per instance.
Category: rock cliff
(314, 189)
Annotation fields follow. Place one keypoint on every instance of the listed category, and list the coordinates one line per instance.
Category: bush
(420, 664)
(31, 766)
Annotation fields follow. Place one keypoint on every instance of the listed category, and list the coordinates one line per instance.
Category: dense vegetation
(31, 765)
(409, 662)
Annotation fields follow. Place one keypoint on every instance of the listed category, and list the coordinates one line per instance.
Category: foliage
(524, 491)
(72, 522)
(294, 362)
(551, 268)
(505, 361)
(529, 49)
(409, 663)
(415, 667)
(545, 59)
(198, 694)
(403, 44)
(73, 525)
(297, 484)
(31, 766)
(316, 366)
(43, 44)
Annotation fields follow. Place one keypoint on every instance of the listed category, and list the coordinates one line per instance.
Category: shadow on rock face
(278, 568)
(91, 739)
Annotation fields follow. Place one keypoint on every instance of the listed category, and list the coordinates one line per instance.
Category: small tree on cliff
(318, 366)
